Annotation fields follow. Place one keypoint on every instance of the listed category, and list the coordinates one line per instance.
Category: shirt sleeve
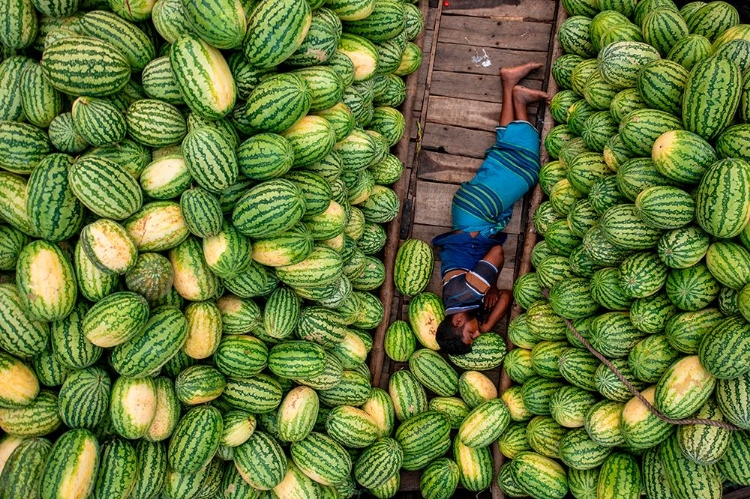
(482, 276)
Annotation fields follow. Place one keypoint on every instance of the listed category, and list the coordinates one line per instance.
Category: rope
(633, 390)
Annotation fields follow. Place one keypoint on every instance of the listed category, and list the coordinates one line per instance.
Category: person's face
(470, 331)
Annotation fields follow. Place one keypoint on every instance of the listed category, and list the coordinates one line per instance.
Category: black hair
(450, 338)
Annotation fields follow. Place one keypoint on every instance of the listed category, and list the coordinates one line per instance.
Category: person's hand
(490, 299)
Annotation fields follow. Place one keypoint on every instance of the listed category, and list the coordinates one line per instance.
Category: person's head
(457, 332)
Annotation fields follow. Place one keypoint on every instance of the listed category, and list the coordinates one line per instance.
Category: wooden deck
(456, 106)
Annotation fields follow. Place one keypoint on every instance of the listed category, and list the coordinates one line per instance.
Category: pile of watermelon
(647, 251)
(191, 205)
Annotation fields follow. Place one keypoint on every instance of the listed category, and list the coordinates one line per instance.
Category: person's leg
(522, 97)
(510, 78)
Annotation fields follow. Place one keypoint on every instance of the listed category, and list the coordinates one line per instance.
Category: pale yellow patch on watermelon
(112, 247)
(222, 89)
(47, 277)
(480, 385)
(162, 172)
(140, 404)
(214, 248)
(7, 445)
(204, 331)
(78, 480)
(18, 383)
(336, 243)
(634, 411)
(150, 232)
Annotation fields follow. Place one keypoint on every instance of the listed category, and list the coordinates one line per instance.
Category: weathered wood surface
(485, 32)
(471, 114)
(468, 58)
(538, 10)
(485, 88)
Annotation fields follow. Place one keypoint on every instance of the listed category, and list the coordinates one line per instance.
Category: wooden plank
(486, 61)
(473, 114)
(486, 88)
(739, 494)
(433, 206)
(424, 69)
(538, 10)
(481, 32)
(447, 168)
(456, 140)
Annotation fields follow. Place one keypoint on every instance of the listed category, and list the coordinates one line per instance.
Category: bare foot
(512, 75)
(523, 96)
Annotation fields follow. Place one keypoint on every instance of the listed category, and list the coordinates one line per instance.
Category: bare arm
(498, 310)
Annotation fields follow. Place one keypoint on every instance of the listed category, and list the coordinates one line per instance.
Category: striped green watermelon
(321, 459)
(378, 463)
(619, 475)
(220, 23)
(734, 464)
(661, 84)
(704, 444)
(686, 478)
(603, 423)
(259, 212)
(203, 76)
(440, 479)
(37, 419)
(452, 408)
(159, 83)
(423, 438)
(476, 388)
(575, 36)
(732, 398)
(117, 471)
(732, 143)
(201, 211)
(620, 62)
(199, 384)
(563, 66)
(414, 262)
(721, 350)
(257, 394)
(210, 158)
(651, 357)
(275, 30)
(719, 212)
(539, 476)
(580, 453)
(67, 64)
(89, 388)
(125, 36)
(711, 97)
(474, 464)
(351, 427)
(622, 227)
(155, 123)
(408, 395)
(71, 465)
(40, 101)
(662, 28)
(261, 461)
(22, 470)
(695, 383)
(578, 367)
(712, 20)
(138, 356)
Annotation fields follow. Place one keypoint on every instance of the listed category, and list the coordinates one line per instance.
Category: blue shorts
(461, 251)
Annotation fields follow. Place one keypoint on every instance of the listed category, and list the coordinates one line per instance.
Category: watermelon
(712, 95)
(720, 212)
